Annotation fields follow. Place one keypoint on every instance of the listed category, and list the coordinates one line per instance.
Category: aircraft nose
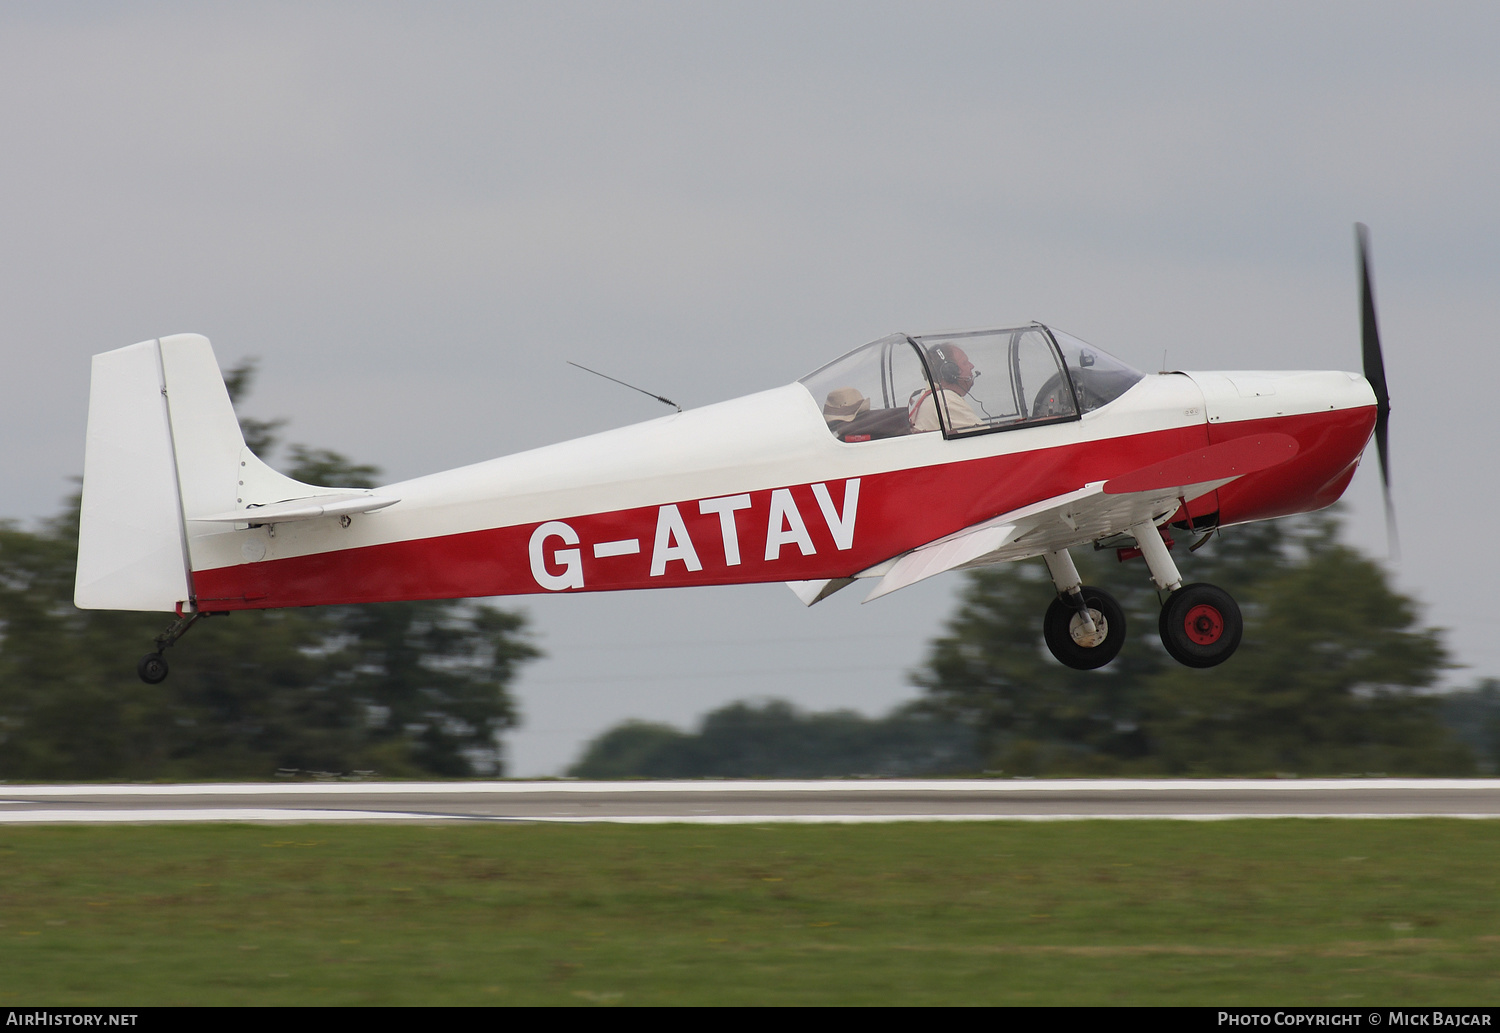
(1230, 397)
(1330, 413)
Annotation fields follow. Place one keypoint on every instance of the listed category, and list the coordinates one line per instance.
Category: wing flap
(944, 554)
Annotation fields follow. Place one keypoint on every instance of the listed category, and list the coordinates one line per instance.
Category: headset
(947, 371)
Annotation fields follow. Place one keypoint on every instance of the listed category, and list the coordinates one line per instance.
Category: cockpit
(965, 382)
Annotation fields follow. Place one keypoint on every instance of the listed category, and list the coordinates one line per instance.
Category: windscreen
(1098, 377)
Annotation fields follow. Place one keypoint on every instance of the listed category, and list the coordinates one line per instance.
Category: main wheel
(1068, 640)
(1201, 625)
(152, 668)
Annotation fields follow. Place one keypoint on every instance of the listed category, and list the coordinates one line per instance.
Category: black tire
(1057, 629)
(152, 668)
(1201, 625)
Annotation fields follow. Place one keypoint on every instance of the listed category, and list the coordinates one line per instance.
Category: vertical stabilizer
(164, 452)
(206, 437)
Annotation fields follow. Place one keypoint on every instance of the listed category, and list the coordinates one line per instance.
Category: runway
(751, 802)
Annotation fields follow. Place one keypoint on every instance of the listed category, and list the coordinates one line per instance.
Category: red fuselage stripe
(694, 545)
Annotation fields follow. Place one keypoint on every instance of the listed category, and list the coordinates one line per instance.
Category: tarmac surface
(752, 802)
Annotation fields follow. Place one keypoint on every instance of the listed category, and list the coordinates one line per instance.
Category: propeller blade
(1374, 360)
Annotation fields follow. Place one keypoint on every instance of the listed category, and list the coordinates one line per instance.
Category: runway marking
(711, 802)
(1278, 785)
(262, 815)
(203, 814)
(200, 814)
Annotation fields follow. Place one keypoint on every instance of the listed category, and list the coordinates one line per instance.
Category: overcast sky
(414, 213)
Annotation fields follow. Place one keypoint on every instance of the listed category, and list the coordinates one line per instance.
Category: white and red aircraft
(913, 455)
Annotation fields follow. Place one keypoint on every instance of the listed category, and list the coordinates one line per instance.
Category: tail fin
(164, 447)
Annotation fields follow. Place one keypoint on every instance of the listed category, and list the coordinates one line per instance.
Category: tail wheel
(152, 668)
(1068, 636)
(1201, 625)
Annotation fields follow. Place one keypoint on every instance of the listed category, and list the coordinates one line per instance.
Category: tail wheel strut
(152, 667)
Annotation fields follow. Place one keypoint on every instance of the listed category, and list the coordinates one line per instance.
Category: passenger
(955, 376)
(842, 406)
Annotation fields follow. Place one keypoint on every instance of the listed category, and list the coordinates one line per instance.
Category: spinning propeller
(1375, 374)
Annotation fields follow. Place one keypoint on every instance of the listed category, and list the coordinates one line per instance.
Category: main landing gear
(153, 666)
(1084, 627)
(1200, 625)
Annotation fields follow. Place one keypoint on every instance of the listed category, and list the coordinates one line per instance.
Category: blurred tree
(1031, 713)
(330, 469)
(404, 689)
(633, 749)
(1473, 716)
(260, 435)
(1330, 677)
(775, 740)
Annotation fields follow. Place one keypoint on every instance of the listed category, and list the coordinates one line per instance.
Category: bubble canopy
(964, 382)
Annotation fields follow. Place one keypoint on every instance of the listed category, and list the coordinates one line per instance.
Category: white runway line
(269, 815)
(205, 814)
(823, 800)
(866, 819)
(1280, 785)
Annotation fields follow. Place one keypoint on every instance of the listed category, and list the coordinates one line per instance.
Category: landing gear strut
(1200, 624)
(1084, 627)
(153, 666)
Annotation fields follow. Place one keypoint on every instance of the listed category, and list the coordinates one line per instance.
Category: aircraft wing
(1094, 511)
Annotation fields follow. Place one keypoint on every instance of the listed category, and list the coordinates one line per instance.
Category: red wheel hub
(1204, 624)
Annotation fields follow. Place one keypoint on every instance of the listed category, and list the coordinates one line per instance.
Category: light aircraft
(913, 455)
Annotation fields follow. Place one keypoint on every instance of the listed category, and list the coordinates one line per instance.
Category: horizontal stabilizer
(1221, 462)
(303, 509)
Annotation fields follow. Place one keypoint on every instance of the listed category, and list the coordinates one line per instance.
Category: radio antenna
(622, 383)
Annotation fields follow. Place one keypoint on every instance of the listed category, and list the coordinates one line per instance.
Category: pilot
(955, 376)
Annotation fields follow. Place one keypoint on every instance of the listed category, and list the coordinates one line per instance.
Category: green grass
(1242, 912)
